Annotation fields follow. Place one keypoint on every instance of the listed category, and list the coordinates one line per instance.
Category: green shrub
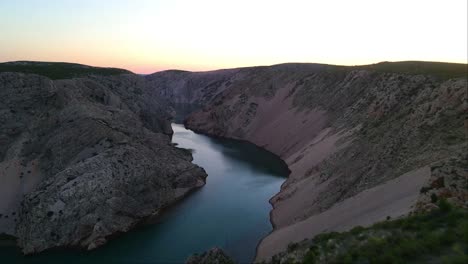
(444, 205)
(357, 230)
(292, 246)
(441, 235)
(326, 236)
(425, 189)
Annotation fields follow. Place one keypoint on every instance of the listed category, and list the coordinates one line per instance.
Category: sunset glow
(148, 36)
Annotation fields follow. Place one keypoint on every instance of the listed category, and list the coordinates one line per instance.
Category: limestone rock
(84, 159)
(344, 132)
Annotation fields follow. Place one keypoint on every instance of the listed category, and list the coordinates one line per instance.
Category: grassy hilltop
(58, 70)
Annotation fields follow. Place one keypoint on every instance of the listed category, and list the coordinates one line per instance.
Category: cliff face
(188, 91)
(360, 142)
(85, 158)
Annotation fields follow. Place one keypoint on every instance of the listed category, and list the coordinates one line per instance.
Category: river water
(231, 211)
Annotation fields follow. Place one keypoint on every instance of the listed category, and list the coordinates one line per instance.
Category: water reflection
(230, 211)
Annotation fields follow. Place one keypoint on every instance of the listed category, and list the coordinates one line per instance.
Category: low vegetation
(439, 236)
(58, 70)
(439, 69)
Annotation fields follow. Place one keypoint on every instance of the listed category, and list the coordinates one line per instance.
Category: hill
(58, 70)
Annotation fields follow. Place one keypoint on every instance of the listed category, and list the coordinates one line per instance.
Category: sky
(145, 36)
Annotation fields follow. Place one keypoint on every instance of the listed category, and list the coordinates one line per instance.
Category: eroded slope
(84, 159)
(343, 131)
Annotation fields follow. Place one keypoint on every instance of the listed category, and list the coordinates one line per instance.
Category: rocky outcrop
(360, 142)
(85, 159)
(448, 181)
(212, 256)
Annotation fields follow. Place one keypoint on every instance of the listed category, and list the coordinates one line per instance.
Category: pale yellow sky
(146, 36)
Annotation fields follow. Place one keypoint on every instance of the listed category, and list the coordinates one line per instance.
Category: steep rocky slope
(186, 91)
(84, 159)
(360, 142)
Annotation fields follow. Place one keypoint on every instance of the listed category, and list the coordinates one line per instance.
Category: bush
(425, 190)
(292, 246)
(417, 238)
(444, 205)
(357, 229)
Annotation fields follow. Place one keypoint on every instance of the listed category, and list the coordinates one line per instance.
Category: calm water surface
(231, 211)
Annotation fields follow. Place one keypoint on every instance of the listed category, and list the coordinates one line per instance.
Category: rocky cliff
(360, 142)
(84, 158)
(186, 92)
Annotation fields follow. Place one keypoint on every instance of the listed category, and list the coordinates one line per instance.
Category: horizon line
(232, 68)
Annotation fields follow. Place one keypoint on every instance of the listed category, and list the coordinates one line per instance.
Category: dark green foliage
(440, 236)
(292, 246)
(58, 70)
(326, 236)
(425, 189)
(311, 256)
(357, 230)
(445, 206)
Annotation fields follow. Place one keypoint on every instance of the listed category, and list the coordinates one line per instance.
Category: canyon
(85, 159)
(361, 142)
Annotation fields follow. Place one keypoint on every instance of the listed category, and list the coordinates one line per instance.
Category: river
(231, 211)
